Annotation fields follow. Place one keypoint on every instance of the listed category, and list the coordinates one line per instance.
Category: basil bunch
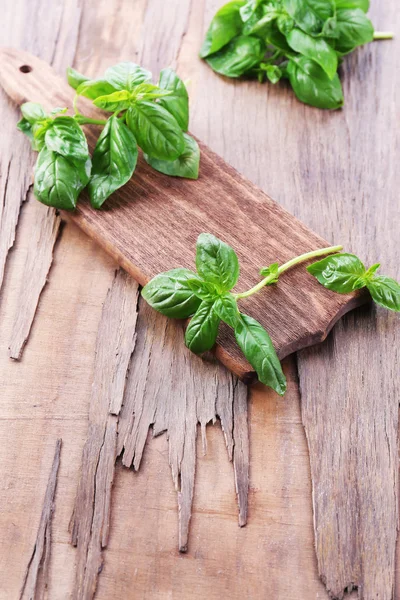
(345, 273)
(300, 40)
(152, 117)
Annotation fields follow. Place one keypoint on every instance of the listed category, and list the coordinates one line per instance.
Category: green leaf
(216, 262)
(248, 10)
(226, 308)
(186, 165)
(271, 270)
(353, 28)
(66, 137)
(114, 161)
(116, 101)
(257, 347)
(59, 181)
(362, 4)
(277, 39)
(310, 15)
(285, 24)
(312, 85)
(203, 289)
(75, 78)
(371, 272)
(32, 112)
(177, 103)
(260, 25)
(148, 91)
(202, 331)
(238, 57)
(341, 273)
(169, 294)
(226, 24)
(94, 89)
(126, 75)
(385, 291)
(315, 48)
(156, 130)
(273, 73)
(59, 111)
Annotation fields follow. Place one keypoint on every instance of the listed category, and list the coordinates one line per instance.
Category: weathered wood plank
(115, 343)
(45, 225)
(36, 577)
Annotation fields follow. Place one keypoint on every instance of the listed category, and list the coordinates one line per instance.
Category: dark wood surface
(152, 223)
(335, 171)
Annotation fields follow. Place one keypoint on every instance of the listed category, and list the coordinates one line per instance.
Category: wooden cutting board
(151, 225)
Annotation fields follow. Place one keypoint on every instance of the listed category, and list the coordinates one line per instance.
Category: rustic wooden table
(323, 497)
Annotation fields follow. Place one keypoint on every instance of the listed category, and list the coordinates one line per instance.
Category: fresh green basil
(271, 270)
(259, 350)
(203, 289)
(186, 165)
(312, 85)
(58, 180)
(226, 24)
(156, 130)
(126, 75)
(67, 138)
(362, 4)
(177, 102)
(310, 15)
(317, 49)
(239, 56)
(216, 262)
(249, 9)
(226, 308)
(93, 89)
(75, 78)
(115, 102)
(169, 294)
(114, 161)
(353, 29)
(385, 291)
(32, 112)
(201, 333)
(341, 273)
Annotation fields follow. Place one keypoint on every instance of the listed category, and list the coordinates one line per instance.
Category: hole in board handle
(25, 69)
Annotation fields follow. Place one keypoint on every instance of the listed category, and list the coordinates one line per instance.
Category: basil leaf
(169, 294)
(156, 130)
(257, 347)
(271, 270)
(277, 39)
(273, 73)
(177, 103)
(116, 101)
(238, 57)
(315, 48)
(59, 181)
(312, 85)
(226, 24)
(248, 10)
(94, 89)
(203, 289)
(126, 75)
(216, 262)
(341, 273)
(32, 112)
(186, 165)
(371, 272)
(353, 28)
(260, 26)
(285, 24)
(226, 308)
(202, 331)
(149, 91)
(67, 138)
(75, 78)
(310, 15)
(362, 4)
(385, 291)
(114, 160)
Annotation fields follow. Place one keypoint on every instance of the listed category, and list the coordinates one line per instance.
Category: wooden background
(324, 460)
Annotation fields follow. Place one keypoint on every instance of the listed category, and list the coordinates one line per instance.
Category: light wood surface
(337, 172)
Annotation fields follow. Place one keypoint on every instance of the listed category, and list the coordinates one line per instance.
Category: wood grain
(36, 578)
(90, 521)
(139, 229)
(45, 226)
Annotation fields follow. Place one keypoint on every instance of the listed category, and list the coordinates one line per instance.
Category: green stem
(383, 35)
(288, 265)
(82, 120)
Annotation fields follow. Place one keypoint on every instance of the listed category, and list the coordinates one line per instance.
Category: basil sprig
(300, 40)
(151, 116)
(345, 273)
